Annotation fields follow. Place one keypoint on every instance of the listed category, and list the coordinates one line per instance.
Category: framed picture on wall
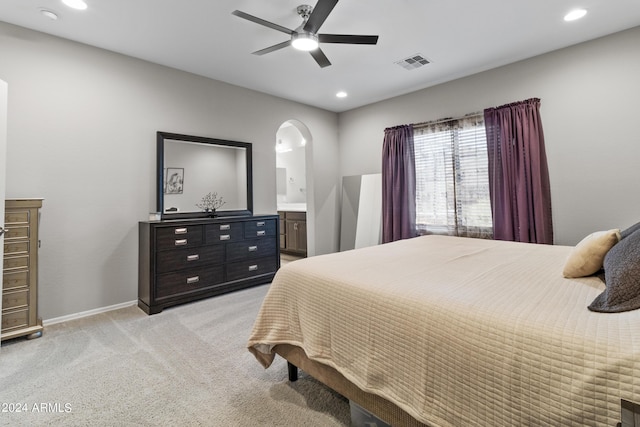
(173, 180)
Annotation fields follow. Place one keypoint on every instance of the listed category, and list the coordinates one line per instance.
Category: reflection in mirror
(191, 168)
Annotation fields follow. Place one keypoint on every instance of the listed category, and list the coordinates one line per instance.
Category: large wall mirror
(191, 167)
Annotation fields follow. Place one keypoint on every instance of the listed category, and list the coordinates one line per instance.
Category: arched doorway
(293, 140)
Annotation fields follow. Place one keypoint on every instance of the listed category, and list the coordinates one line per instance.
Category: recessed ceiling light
(49, 14)
(575, 14)
(341, 94)
(75, 4)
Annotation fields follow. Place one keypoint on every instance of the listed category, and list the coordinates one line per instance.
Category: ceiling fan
(306, 36)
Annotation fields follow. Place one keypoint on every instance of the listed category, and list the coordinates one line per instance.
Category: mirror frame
(161, 137)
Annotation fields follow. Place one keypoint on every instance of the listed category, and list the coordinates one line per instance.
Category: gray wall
(589, 110)
(81, 134)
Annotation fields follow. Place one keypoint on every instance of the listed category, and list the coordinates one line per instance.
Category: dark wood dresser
(186, 260)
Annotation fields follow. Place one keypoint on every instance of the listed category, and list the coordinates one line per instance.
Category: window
(452, 180)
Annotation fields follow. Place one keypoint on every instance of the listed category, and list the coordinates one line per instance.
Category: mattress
(459, 331)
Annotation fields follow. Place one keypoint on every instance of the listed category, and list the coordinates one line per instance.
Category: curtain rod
(435, 122)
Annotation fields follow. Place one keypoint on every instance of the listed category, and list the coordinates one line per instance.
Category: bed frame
(378, 406)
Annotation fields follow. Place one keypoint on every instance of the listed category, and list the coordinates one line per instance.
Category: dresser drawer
(12, 280)
(15, 248)
(178, 237)
(15, 320)
(250, 249)
(16, 217)
(15, 262)
(189, 258)
(259, 228)
(15, 299)
(250, 268)
(223, 232)
(172, 284)
(14, 232)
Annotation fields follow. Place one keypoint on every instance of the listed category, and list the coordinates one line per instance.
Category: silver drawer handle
(225, 237)
(181, 242)
(225, 227)
(261, 233)
(192, 280)
(194, 257)
(260, 223)
(253, 267)
(253, 248)
(180, 230)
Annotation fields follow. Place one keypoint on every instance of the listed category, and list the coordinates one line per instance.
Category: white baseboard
(82, 314)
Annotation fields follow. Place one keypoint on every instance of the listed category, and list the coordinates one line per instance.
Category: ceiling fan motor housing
(300, 38)
(304, 10)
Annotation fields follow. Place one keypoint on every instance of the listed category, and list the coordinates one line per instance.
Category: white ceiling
(201, 36)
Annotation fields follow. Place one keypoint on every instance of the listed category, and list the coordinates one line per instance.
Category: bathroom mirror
(190, 168)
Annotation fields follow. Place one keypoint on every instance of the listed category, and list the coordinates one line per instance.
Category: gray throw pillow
(622, 277)
(629, 231)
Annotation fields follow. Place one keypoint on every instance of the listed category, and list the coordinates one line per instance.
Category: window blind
(452, 181)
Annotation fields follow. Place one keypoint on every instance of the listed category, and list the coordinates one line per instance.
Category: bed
(448, 331)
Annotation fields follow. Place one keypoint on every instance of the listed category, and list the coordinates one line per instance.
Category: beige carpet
(187, 366)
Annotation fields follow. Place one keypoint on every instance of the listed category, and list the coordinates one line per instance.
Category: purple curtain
(398, 184)
(518, 174)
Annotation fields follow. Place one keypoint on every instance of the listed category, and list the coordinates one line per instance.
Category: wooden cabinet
(293, 237)
(183, 261)
(20, 269)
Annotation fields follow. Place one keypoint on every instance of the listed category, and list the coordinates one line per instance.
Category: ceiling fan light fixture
(304, 41)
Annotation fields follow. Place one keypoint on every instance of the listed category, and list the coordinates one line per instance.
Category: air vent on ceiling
(413, 62)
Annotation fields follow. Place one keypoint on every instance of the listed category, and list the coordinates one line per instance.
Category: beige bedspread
(459, 332)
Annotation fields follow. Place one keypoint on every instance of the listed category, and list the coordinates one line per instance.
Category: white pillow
(586, 257)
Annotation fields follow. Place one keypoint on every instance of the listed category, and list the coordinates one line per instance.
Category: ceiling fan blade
(320, 12)
(272, 48)
(320, 58)
(347, 38)
(261, 21)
